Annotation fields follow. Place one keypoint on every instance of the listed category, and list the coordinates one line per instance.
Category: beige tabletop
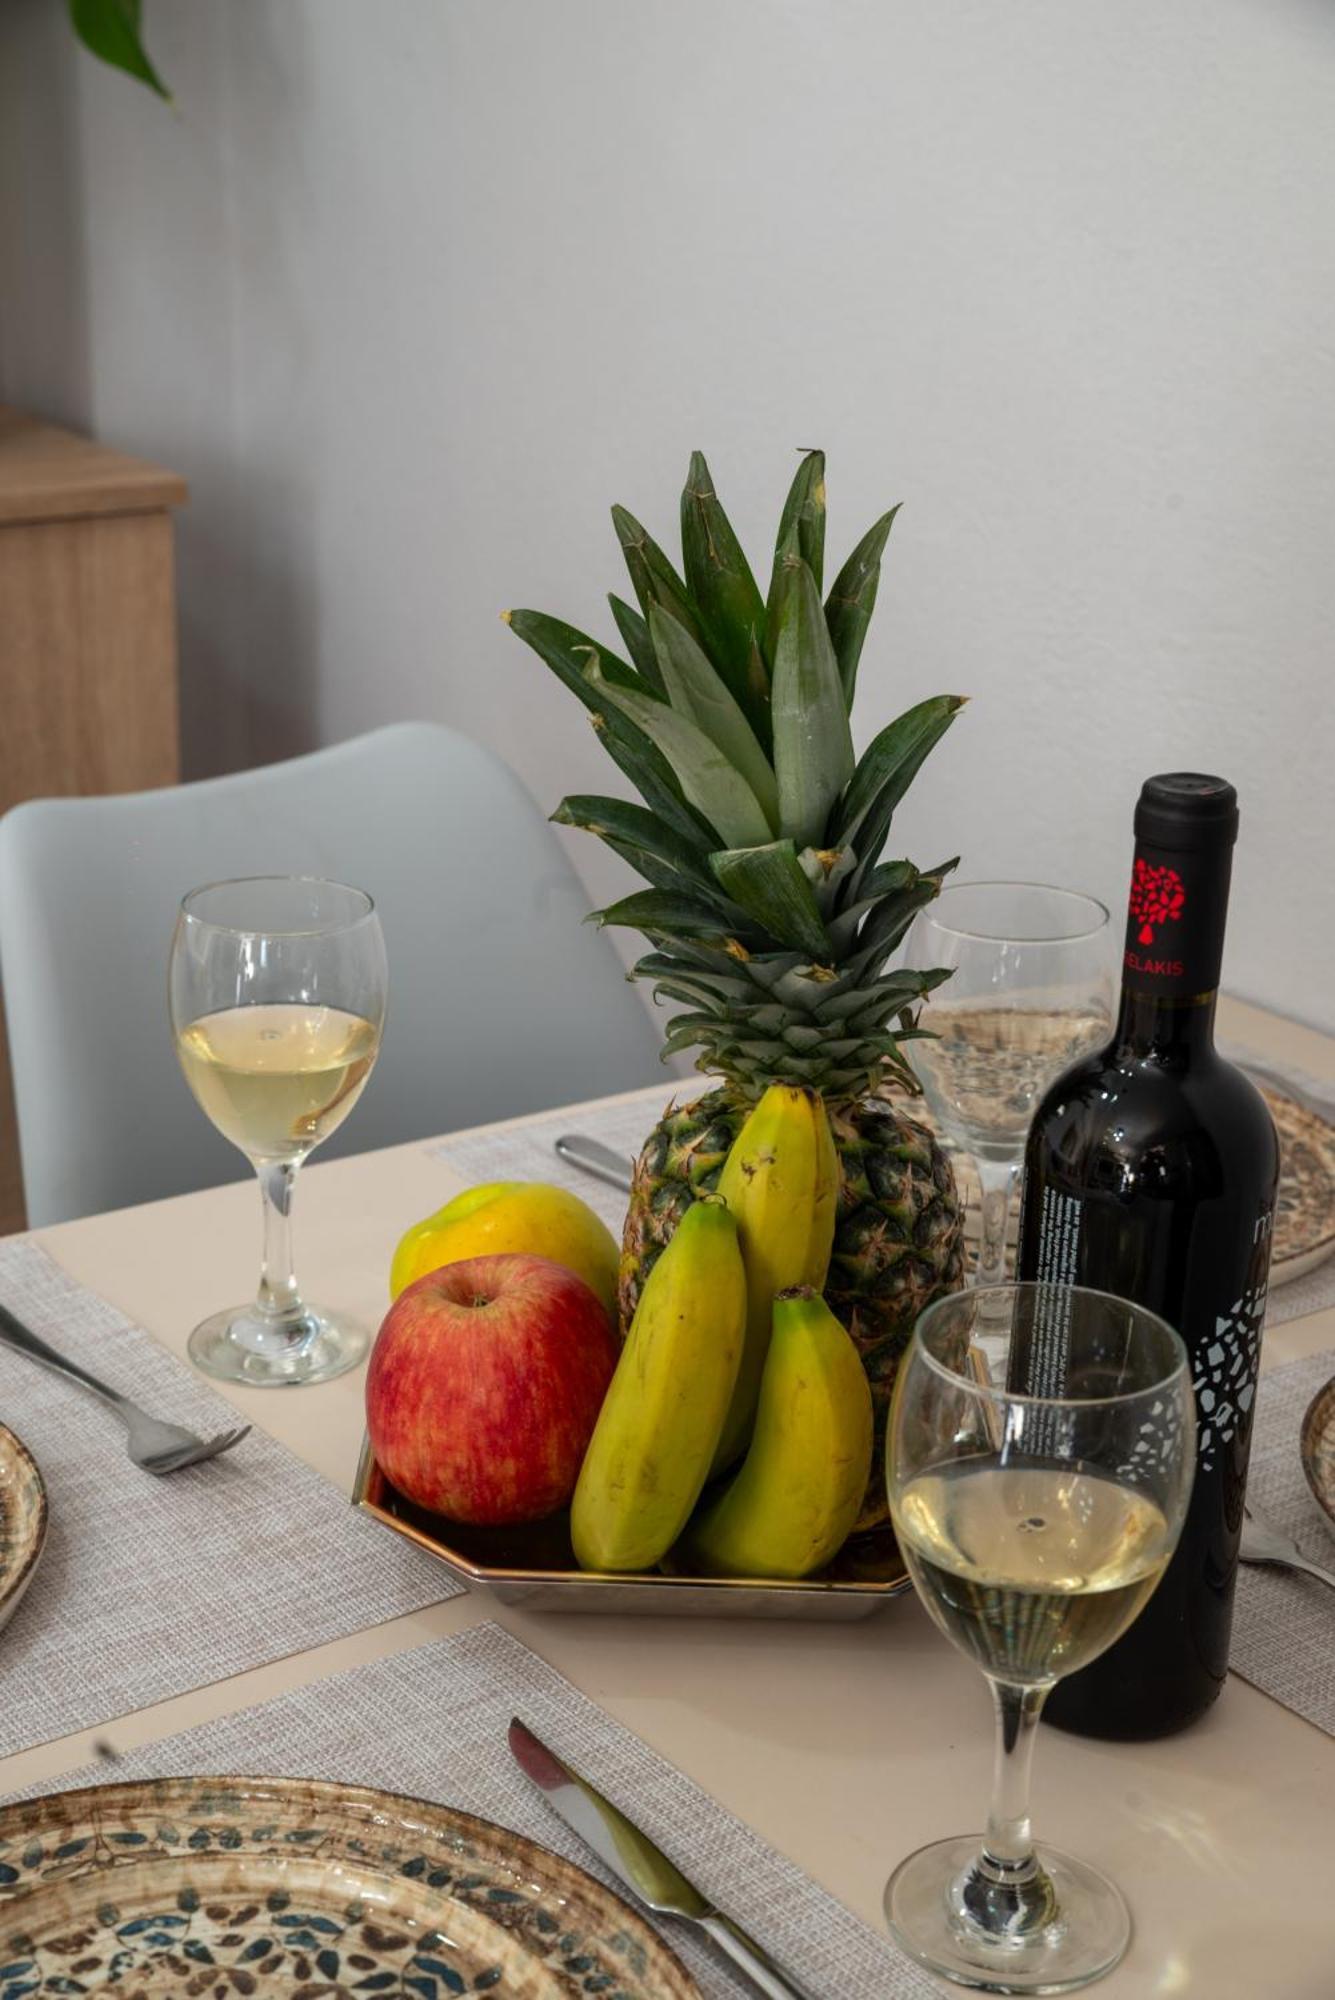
(844, 1745)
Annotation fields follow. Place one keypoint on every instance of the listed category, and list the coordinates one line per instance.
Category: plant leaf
(635, 638)
(652, 576)
(695, 690)
(722, 587)
(813, 750)
(708, 781)
(887, 768)
(110, 29)
(803, 516)
(633, 826)
(768, 883)
(852, 600)
(568, 652)
(652, 910)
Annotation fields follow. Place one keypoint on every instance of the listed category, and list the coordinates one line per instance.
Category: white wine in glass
(1030, 991)
(278, 988)
(1035, 1530)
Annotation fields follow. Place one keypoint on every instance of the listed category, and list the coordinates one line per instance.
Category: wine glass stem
(1008, 1842)
(278, 1297)
(997, 1179)
(1005, 1896)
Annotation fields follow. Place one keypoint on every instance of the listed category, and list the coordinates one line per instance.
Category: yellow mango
(502, 1216)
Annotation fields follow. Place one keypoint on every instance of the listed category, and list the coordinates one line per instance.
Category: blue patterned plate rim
(555, 1916)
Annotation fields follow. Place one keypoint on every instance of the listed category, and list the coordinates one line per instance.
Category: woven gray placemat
(1284, 1625)
(149, 1587)
(432, 1722)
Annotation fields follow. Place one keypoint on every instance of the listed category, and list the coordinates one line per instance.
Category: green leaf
(568, 652)
(803, 515)
(635, 827)
(852, 600)
(813, 750)
(110, 29)
(635, 638)
(708, 781)
(652, 576)
(695, 690)
(652, 910)
(768, 883)
(887, 768)
(722, 587)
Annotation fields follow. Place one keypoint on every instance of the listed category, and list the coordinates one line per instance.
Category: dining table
(843, 1744)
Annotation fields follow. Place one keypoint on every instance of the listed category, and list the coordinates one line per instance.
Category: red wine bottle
(1150, 1172)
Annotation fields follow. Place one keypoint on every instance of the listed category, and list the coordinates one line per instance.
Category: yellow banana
(781, 1184)
(656, 1433)
(794, 1503)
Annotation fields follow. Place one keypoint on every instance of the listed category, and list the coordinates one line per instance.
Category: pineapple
(769, 912)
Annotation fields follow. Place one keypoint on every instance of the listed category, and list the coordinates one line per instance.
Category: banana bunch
(733, 1352)
(781, 1184)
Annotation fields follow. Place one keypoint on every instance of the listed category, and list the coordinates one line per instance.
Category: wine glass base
(239, 1345)
(1087, 1937)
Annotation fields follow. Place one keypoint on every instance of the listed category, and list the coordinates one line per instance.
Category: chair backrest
(502, 1000)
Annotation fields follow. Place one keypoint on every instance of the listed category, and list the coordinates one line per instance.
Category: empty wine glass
(1032, 988)
(277, 987)
(1039, 1463)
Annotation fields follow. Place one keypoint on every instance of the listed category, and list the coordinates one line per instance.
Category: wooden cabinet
(88, 671)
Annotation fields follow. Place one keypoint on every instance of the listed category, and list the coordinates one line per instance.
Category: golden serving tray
(268, 1886)
(535, 1566)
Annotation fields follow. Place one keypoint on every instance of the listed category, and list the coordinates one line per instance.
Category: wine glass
(277, 987)
(1040, 1460)
(1031, 990)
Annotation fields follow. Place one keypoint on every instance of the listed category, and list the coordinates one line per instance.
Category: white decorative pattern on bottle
(1225, 1374)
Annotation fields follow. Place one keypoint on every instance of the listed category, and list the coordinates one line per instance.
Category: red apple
(485, 1383)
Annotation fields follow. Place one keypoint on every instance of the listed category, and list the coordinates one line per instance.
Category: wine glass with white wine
(1032, 989)
(277, 987)
(1039, 1460)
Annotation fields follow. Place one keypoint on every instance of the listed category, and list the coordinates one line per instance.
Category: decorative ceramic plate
(218, 1887)
(22, 1521)
(1305, 1211)
(535, 1566)
(1316, 1447)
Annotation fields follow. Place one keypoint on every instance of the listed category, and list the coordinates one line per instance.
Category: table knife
(643, 1868)
(592, 1157)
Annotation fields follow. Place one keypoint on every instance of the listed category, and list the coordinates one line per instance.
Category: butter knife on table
(641, 1867)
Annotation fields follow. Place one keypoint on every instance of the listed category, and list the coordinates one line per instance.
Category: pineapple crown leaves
(770, 912)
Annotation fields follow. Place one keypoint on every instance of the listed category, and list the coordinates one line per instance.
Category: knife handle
(592, 1157)
(767, 1977)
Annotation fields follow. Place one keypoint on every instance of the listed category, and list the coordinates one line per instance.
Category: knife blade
(641, 1866)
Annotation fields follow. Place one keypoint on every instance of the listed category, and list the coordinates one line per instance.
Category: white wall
(411, 292)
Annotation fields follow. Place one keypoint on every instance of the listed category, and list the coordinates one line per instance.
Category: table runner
(1284, 1625)
(149, 1587)
(432, 1722)
(525, 1151)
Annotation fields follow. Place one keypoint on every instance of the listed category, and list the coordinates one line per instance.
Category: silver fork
(1264, 1544)
(154, 1446)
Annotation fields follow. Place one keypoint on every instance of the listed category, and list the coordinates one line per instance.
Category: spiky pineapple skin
(899, 1229)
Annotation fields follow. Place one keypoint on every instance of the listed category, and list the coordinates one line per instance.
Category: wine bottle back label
(1175, 922)
(1048, 1347)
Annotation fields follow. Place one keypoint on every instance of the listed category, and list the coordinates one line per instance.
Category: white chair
(502, 1000)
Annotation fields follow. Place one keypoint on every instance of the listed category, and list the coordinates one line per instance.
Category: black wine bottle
(1150, 1172)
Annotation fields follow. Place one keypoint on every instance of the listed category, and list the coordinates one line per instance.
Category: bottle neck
(1176, 911)
(1148, 1025)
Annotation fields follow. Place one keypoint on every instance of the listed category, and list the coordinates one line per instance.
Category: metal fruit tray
(535, 1566)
